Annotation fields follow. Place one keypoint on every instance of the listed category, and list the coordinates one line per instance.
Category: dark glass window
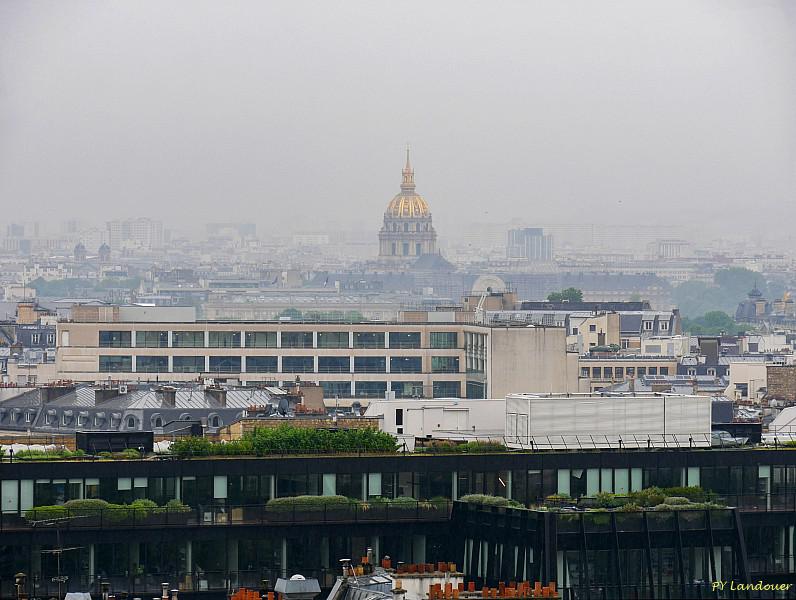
(224, 339)
(406, 364)
(370, 364)
(332, 339)
(404, 339)
(363, 339)
(115, 364)
(447, 389)
(336, 388)
(152, 364)
(225, 364)
(297, 339)
(444, 339)
(444, 364)
(115, 339)
(334, 364)
(298, 364)
(151, 339)
(407, 389)
(261, 364)
(261, 339)
(188, 339)
(371, 389)
(188, 364)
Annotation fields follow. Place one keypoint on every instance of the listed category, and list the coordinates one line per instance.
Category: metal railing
(314, 513)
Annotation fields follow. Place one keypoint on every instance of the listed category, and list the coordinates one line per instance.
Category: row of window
(739, 483)
(269, 339)
(270, 364)
(621, 372)
(402, 389)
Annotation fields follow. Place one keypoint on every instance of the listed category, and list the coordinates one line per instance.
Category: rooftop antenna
(59, 549)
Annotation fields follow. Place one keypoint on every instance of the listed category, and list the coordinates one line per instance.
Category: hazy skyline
(295, 115)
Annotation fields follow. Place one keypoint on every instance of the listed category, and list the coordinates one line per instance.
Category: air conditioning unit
(123, 389)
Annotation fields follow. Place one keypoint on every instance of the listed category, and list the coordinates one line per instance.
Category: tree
(714, 322)
(567, 295)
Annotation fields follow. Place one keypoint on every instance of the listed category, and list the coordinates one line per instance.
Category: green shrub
(307, 503)
(487, 500)
(287, 439)
(89, 507)
(128, 454)
(693, 493)
(105, 455)
(48, 454)
(173, 506)
(676, 500)
(192, 446)
(142, 508)
(629, 507)
(607, 500)
(647, 497)
(45, 513)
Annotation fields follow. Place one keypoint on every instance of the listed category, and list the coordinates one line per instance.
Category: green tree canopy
(714, 322)
(567, 295)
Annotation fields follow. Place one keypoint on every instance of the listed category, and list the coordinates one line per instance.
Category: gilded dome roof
(408, 203)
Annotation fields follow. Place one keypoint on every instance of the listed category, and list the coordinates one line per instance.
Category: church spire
(408, 179)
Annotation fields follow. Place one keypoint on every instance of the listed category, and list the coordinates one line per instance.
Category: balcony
(233, 515)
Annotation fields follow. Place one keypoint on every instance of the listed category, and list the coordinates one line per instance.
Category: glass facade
(224, 339)
(188, 364)
(447, 389)
(370, 364)
(297, 339)
(406, 364)
(262, 364)
(260, 339)
(365, 339)
(443, 339)
(298, 364)
(444, 364)
(370, 389)
(332, 339)
(152, 364)
(115, 339)
(225, 364)
(115, 364)
(334, 364)
(188, 339)
(151, 339)
(404, 339)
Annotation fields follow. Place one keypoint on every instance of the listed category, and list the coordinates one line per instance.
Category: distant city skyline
(297, 113)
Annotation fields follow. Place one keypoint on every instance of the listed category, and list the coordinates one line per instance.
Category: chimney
(398, 592)
(297, 588)
(218, 394)
(169, 396)
(50, 393)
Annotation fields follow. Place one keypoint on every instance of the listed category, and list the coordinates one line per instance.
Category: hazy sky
(295, 114)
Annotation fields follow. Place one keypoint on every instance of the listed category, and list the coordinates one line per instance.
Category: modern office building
(361, 360)
(529, 244)
(228, 536)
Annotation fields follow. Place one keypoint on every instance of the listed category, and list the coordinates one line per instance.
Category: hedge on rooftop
(288, 439)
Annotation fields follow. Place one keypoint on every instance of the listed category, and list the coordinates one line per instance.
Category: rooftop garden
(287, 439)
(652, 499)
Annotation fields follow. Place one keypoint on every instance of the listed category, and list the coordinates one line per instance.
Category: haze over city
(295, 114)
(368, 300)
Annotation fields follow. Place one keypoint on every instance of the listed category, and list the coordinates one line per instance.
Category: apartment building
(349, 360)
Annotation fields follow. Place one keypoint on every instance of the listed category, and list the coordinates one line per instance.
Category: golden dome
(408, 203)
